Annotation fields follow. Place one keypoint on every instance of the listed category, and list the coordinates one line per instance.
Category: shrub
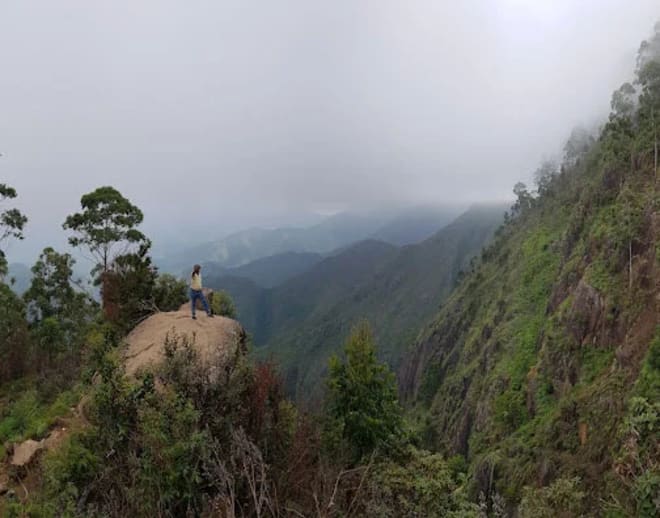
(169, 293)
(422, 485)
(563, 498)
(222, 304)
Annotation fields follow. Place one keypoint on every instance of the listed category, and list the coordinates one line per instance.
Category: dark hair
(196, 269)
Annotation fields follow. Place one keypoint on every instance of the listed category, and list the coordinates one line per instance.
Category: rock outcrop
(210, 336)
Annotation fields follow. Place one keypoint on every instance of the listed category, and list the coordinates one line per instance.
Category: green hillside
(303, 321)
(542, 367)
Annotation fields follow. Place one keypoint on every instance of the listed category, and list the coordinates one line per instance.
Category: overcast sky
(213, 115)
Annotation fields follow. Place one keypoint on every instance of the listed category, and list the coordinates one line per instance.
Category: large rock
(213, 336)
(25, 452)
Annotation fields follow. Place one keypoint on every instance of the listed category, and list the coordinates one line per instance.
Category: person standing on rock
(196, 291)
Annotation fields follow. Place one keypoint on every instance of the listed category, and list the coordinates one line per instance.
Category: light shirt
(196, 282)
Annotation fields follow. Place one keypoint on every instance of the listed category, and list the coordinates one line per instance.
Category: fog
(216, 115)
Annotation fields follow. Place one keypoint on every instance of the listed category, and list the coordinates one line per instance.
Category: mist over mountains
(396, 226)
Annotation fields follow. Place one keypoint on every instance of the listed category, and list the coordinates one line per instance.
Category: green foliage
(51, 292)
(510, 410)
(14, 338)
(59, 314)
(129, 288)
(30, 417)
(107, 224)
(169, 292)
(362, 404)
(421, 485)
(208, 436)
(12, 221)
(537, 358)
(564, 497)
(648, 383)
(647, 493)
(222, 304)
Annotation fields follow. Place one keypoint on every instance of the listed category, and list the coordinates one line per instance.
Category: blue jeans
(198, 294)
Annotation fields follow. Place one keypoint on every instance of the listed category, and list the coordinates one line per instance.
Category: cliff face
(533, 367)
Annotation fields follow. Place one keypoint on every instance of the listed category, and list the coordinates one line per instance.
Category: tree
(544, 175)
(629, 223)
(106, 228)
(577, 145)
(57, 311)
(51, 293)
(624, 101)
(361, 401)
(14, 342)
(649, 78)
(12, 223)
(130, 286)
(619, 132)
(524, 199)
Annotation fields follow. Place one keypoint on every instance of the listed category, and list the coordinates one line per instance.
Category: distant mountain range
(306, 318)
(398, 227)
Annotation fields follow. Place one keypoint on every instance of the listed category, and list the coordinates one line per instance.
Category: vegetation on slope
(300, 323)
(541, 368)
(188, 438)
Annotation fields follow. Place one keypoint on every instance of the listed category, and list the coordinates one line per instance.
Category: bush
(563, 498)
(210, 437)
(169, 293)
(422, 485)
(223, 305)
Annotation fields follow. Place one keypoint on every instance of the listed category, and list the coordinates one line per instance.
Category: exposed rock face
(212, 336)
(25, 452)
(587, 312)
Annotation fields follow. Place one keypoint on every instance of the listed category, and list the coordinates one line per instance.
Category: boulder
(211, 337)
(25, 452)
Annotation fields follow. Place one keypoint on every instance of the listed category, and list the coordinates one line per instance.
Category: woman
(196, 291)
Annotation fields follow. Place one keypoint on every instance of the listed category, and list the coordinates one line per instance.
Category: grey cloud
(216, 115)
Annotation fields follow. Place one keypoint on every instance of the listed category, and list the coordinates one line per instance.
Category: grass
(29, 417)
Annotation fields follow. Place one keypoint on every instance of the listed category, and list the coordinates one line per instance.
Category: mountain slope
(267, 272)
(303, 321)
(396, 226)
(276, 269)
(249, 245)
(543, 365)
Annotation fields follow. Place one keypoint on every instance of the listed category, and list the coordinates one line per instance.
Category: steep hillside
(303, 321)
(543, 365)
(263, 311)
